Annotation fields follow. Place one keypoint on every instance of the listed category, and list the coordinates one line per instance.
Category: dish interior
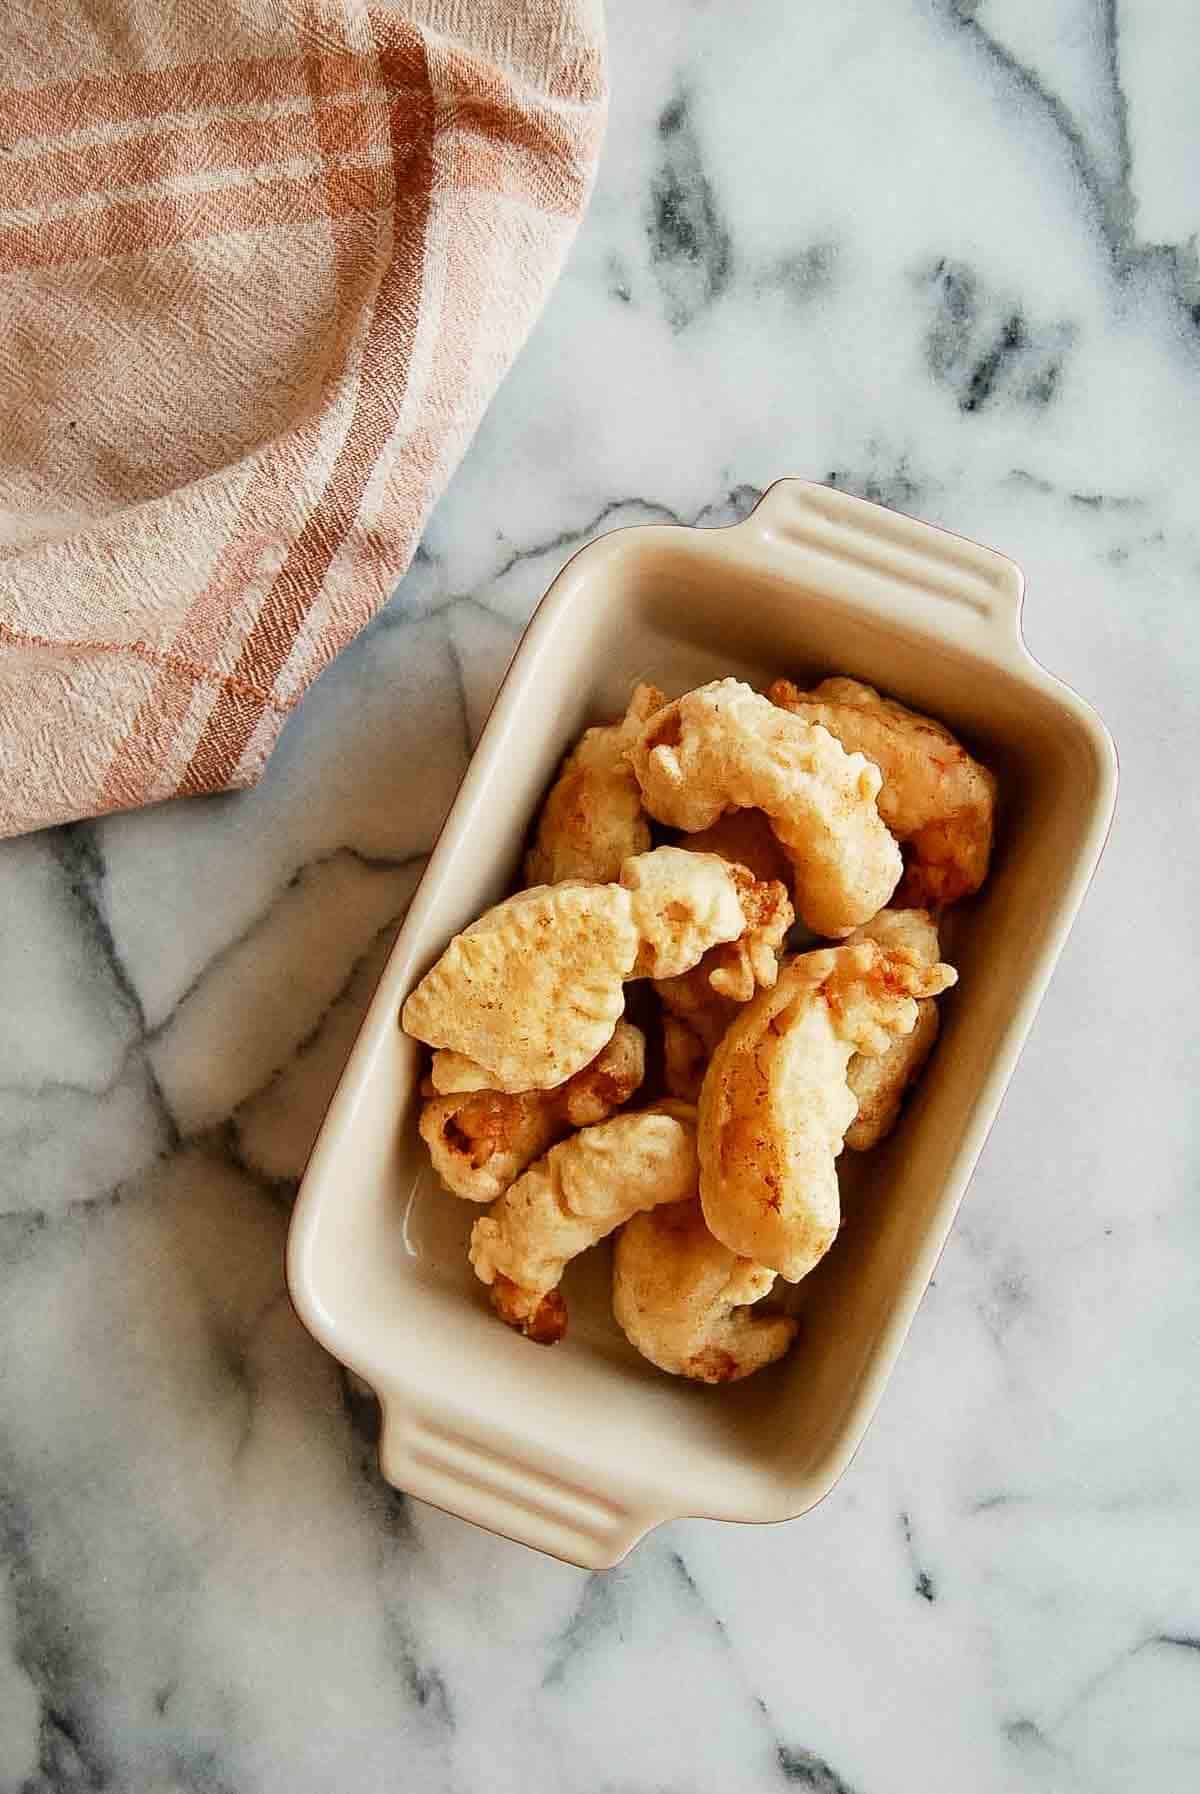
(385, 1264)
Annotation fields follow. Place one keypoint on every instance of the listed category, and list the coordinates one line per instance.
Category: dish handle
(503, 1488)
(956, 587)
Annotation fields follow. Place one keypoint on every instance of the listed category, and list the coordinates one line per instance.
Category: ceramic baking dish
(580, 1449)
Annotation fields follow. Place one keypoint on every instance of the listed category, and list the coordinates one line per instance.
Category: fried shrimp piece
(683, 1299)
(592, 819)
(685, 1059)
(776, 1105)
(532, 990)
(576, 1194)
(725, 747)
(880, 1085)
(935, 799)
(480, 1141)
(527, 995)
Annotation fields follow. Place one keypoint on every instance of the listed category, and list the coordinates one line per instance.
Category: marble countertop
(942, 254)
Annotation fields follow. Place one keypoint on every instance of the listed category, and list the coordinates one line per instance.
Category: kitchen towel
(262, 265)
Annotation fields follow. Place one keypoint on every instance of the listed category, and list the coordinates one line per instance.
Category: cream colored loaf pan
(581, 1448)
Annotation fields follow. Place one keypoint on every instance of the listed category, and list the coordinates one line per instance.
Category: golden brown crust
(452, 1074)
(533, 989)
(736, 969)
(577, 1194)
(528, 994)
(730, 1180)
(480, 1141)
(935, 798)
(684, 1300)
(725, 747)
(880, 1085)
(683, 904)
(699, 1004)
(693, 1000)
(545, 1325)
(592, 819)
(776, 1105)
(730, 973)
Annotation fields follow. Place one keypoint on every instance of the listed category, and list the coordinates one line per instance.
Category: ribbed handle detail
(979, 586)
(505, 1492)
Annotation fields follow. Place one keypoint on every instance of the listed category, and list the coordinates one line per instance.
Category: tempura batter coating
(682, 904)
(533, 989)
(936, 799)
(725, 747)
(775, 1104)
(700, 1003)
(480, 1141)
(577, 1194)
(592, 819)
(909, 931)
(530, 992)
(880, 1085)
(683, 1299)
(737, 968)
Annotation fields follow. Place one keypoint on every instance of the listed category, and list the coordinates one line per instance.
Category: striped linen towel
(262, 265)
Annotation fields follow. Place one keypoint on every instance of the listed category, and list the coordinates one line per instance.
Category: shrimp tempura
(527, 995)
(480, 1141)
(935, 798)
(592, 819)
(683, 1299)
(725, 747)
(775, 1104)
(577, 1194)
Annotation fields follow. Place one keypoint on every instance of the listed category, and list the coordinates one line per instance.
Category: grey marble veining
(944, 255)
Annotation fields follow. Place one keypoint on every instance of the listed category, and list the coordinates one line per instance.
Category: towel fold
(262, 265)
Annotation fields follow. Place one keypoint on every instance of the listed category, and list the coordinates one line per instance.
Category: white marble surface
(945, 254)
